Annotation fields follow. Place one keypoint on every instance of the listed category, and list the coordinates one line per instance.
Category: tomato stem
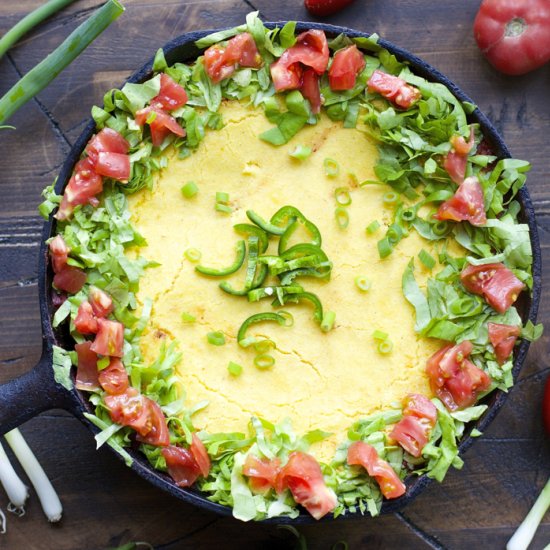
(515, 27)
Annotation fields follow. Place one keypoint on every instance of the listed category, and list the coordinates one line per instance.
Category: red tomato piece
(109, 339)
(181, 465)
(302, 475)
(140, 413)
(321, 8)
(198, 450)
(85, 184)
(160, 123)
(101, 302)
(394, 89)
(503, 338)
(346, 65)
(171, 95)
(416, 404)
(214, 64)
(114, 378)
(157, 433)
(310, 90)
(467, 204)
(70, 279)
(412, 434)
(106, 141)
(85, 321)
(113, 165)
(310, 50)
(363, 454)
(262, 472)
(495, 282)
(514, 36)
(59, 253)
(456, 159)
(242, 50)
(455, 379)
(86, 370)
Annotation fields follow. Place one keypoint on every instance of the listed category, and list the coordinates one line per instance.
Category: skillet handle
(30, 394)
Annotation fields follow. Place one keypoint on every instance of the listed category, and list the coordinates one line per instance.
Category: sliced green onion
(287, 316)
(187, 317)
(15, 489)
(259, 318)
(240, 250)
(362, 283)
(427, 259)
(342, 196)
(390, 197)
(264, 361)
(332, 169)
(193, 254)
(225, 208)
(30, 21)
(248, 341)
(300, 152)
(440, 228)
(327, 323)
(372, 227)
(384, 247)
(189, 190)
(222, 198)
(385, 347)
(264, 345)
(43, 73)
(341, 216)
(408, 215)
(380, 335)
(234, 369)
(394, 233)
(216, 338)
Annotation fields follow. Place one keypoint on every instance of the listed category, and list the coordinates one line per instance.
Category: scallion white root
(15, 489)
(44, 489)
(526, 531)
(2, 523)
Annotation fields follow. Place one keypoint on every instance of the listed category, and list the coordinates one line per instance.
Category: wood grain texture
(105, 503)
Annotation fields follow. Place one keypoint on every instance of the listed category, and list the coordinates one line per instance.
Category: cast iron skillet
(37, 391)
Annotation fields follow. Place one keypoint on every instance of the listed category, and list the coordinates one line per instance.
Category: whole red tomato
(514, 35)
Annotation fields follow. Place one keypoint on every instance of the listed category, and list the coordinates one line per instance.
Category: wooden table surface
(105, 504)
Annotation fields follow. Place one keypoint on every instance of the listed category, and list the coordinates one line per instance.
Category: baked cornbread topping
(290, 269)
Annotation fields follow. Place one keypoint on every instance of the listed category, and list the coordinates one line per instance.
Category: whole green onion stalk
(29, 22)
(15, 489)
(43, 73)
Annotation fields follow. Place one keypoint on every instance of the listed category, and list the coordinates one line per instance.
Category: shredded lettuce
(62, 364)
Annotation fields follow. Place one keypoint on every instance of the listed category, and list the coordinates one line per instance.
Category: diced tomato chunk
(503, 338)
(363, 454)
(101, 302)
(109, 339)
(242, 49)
(467, 204)
(114, 378)
(140, 413)
(495, 282)
(310, 50)
(107, 141)
(302, 475)
(181, 465)
(85, 321)
(215, 66)
(160, 123)
(456, 159)
(263, 473)
(113, 165)
(84, 184)
(412, 434)
(454, 378)
(59, 253)
(70, 279)
(346, 65)
(86, 370)
(416, 404)
(171, 95)
(198, 450)
(394, 89)
(310, 90)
